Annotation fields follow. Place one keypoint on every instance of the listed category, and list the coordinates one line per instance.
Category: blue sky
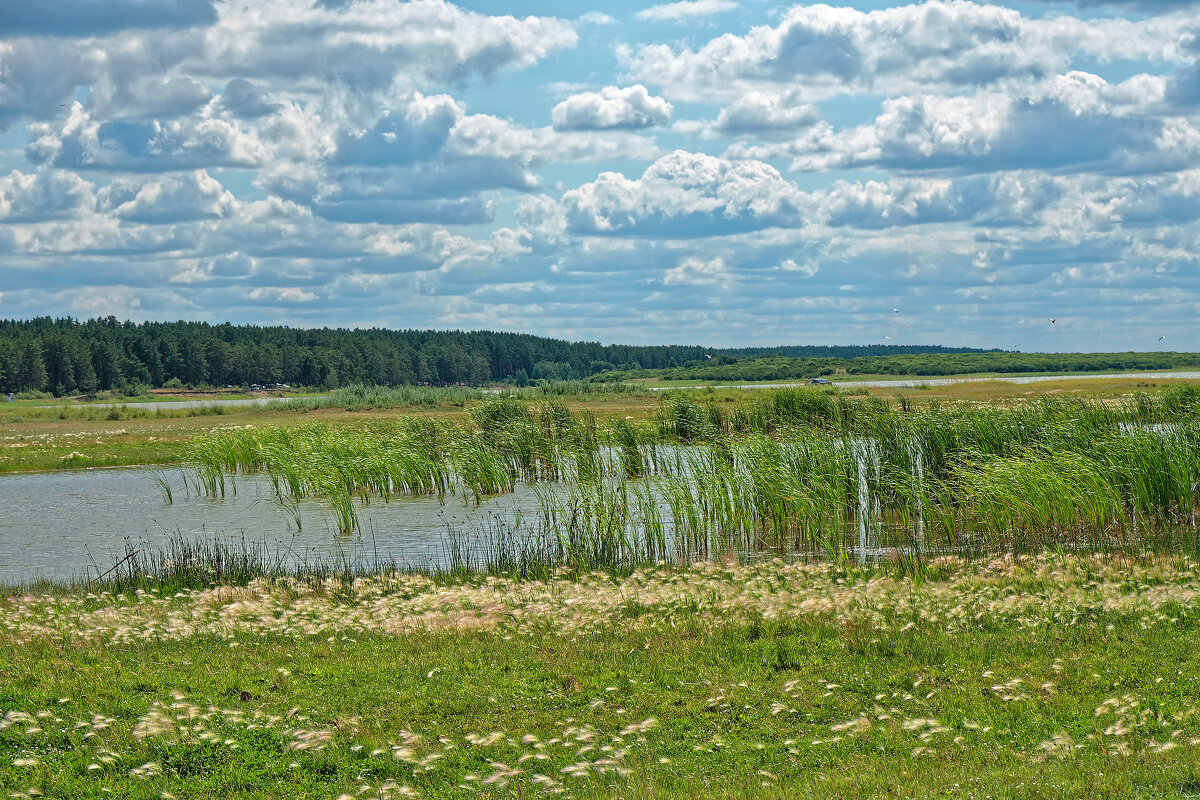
(719, 172)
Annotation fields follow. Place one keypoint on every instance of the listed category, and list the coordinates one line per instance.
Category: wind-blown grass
(1017, 677)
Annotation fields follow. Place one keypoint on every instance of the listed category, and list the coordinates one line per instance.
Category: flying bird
(887, 338)
(1161, 338)
(1052, 321)
(895, 311)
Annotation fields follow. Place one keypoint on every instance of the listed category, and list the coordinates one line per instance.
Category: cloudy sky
(719, 172)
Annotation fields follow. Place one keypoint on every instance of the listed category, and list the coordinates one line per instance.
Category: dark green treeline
(66, 356)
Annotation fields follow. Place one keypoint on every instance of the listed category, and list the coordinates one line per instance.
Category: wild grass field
(1009, 677)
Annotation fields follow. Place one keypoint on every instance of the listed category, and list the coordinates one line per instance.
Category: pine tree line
(66, 356)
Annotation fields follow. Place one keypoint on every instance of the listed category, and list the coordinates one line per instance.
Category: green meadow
(1050, 676)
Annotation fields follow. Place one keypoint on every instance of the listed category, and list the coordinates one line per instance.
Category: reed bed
(507, 442)
(787, 471)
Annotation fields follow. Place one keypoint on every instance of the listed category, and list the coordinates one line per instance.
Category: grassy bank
(1054, 676)
(772, 368)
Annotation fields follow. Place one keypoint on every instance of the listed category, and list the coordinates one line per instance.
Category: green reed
(508, 442)
(785, 471)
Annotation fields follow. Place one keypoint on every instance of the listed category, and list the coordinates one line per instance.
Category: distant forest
(67, 357)
(719, 368)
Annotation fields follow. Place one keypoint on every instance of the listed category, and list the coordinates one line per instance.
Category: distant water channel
(61, 525)
(159, 405)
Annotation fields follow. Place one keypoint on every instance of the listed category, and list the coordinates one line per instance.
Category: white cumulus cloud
(698, 272)
(686, 194)
(685, 9)
(43, 196)
(629, 108)
(757, 114)
(172, 198)
(284, 294)
(940, 45)
(1072, 123)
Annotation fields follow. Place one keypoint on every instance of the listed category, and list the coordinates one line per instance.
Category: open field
(973, 388)
(1048, 677)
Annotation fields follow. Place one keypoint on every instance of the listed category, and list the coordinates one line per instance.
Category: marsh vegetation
(787, 472)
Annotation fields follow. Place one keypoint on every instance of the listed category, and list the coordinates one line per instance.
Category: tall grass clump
(539, 443)
(1033, 499)
(338, 464)
(1173, 403)
(1156, 473)
(603, 524)
(184, 563)
(634, 448)
(577, 389)
(682, 419)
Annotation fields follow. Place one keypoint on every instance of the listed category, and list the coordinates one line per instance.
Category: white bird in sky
(1053, 320)
(895, 311)
(887, 338)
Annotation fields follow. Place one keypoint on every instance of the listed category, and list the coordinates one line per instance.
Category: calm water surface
(60, 524)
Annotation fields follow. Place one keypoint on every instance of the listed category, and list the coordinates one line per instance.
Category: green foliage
(65, 356)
